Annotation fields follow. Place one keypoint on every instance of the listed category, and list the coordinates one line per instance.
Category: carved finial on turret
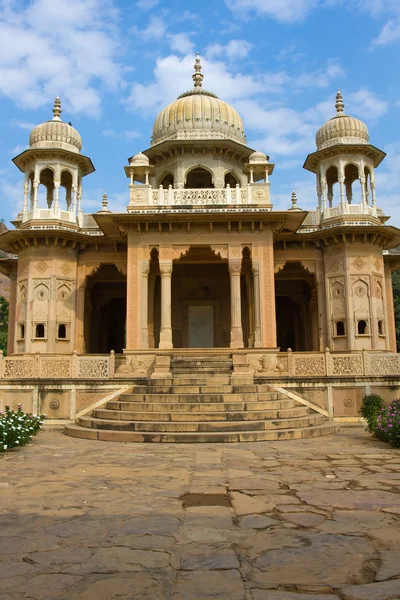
(197, 75)
(294, 202)
(104, 204)
(57, 109)
(339, 103)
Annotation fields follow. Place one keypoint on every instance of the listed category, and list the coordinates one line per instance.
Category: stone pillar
(166, 305)
(323, 318)
(12, 328)
(80, 310)
(235, 268)
(150, 310)
(257, 305)
(26, 191)
(145, 305)
(268, 292)
(342, 193)
(132, 299)
(55, 205)
(390, 325)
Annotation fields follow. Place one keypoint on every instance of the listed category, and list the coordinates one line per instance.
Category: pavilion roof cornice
(312, 161)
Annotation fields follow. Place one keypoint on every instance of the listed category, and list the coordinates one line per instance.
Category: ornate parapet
(337, 364)
(267, 363)
(145, 195)
(58, 366)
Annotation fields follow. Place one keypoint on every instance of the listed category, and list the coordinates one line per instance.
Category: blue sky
(116, 63)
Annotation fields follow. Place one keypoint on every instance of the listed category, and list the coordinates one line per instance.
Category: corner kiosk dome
(139, 160)
(258, 158)
(341, 129)
(198, 115)
(55, 133)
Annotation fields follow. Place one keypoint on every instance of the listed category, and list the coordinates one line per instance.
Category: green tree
(396, 297)
(3, 324)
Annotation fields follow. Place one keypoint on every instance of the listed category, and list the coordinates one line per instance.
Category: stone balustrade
(57, 366)
(282, 364)
(350, 209)
(145, 195)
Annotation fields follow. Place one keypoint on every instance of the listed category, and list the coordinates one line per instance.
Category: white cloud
(367, 105)
(155, 30)
(321, 78)
(60, 48)
(180, 42)
(234, 49)
(389, 34)
(147, 4)
(290, 54)
(284, 11)
(188, 15)
(171, 71)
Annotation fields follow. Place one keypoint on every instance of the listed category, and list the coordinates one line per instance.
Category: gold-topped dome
(198, 115)
(341, 129)
(55, 133)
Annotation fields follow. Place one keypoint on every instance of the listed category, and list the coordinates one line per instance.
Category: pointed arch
(199, 176)
(232, 178)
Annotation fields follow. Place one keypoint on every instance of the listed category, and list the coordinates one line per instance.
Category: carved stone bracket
(278, 266)
(180, 251)
(221, 251)
(91, 268)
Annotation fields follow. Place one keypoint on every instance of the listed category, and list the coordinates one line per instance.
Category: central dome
(198, 115)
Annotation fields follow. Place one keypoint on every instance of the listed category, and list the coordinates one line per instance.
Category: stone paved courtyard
(310, 519)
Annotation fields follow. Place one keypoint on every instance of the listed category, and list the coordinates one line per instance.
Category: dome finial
(339, 103)
(57, 109)
(197, 75)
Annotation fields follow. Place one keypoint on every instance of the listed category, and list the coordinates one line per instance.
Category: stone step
(208, 370)
(199, 406)
(249, 397)
(200, 415)
(198, 389)
(326, 428)
(210, 380)
(210, 426)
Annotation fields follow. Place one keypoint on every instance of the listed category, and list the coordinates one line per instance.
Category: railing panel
(90, 367)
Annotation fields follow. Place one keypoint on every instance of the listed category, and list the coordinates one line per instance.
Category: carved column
(166, 305)
(257, 305)
(145, 305)
(235, 268)
(268, 291)
(150, 310)
(80, 310)
(342, 187)
(12, 329)
(132, 299)
(390, 325)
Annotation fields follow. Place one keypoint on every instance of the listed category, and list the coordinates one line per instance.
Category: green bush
(17, 427)
(388, 424)
(370, 408)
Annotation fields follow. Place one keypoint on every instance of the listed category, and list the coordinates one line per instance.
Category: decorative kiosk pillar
(166, 305)
(235, 268)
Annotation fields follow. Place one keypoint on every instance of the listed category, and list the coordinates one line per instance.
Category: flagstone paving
(313, 519)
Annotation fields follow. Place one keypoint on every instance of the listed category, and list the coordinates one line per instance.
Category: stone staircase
(201, 404)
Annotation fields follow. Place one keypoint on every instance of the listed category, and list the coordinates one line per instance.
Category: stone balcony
(145, 195)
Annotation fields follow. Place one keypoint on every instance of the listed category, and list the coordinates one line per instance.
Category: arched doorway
(296, 308)
(201, 315)
(105, 311)
(199, 178)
